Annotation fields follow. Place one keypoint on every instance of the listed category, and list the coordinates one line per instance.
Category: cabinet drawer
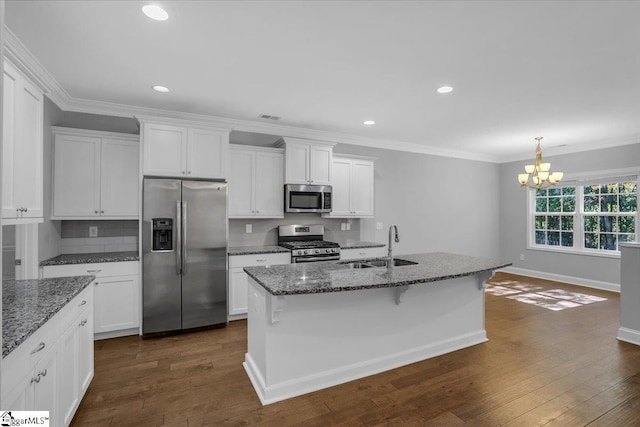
(360, 253)
(104, 269)
(236, 261)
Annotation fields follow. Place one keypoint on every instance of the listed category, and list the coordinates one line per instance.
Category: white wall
(438, 203)
(513, 215)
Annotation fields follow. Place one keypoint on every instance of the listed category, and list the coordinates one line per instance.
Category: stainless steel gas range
(307, 243)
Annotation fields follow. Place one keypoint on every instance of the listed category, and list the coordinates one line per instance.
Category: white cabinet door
(297, 163)
(76, 176)
(238, 291)
(362, 188)
(119, 178)
(45, 397)
(320, 157)
(85, 349)
(116, 303)
(165, 150)
(207, 153)
(341, 191)
(241, 179)
(22, 147)
(68, 390)
(269, 185)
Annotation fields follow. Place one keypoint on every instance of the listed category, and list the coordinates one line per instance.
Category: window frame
(578, 181)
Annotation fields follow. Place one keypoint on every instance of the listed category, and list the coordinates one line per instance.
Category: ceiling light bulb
(445, 89)
(369, 122)
(155, 12)
(162, 89)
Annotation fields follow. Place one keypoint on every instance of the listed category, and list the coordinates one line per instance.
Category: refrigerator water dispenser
(162, 234)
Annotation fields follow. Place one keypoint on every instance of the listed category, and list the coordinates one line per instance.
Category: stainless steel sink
(397, 262)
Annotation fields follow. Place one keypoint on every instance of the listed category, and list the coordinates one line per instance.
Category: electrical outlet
(248, 228)
(348, 226)
(343, 226)
(93, 231)
(521, 257)
(378, 226)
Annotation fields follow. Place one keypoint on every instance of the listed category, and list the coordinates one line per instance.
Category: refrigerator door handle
(178, 228)
(184, 239)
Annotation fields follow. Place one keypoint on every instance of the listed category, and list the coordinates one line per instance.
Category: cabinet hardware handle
(39, 348)
(95, 212)
(189, 173)
(93, 271)
(260, 260)
(83, 322)
(97, 283)
(43, 373)
(26, 209)
(101, 212)
(36, 379)
(82, 303)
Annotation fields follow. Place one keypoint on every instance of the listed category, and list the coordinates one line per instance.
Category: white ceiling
(568, 71)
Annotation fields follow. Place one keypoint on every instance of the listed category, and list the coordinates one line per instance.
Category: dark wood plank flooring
(539, 367)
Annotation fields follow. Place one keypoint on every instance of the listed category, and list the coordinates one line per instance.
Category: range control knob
(317, 251)
(305, 252)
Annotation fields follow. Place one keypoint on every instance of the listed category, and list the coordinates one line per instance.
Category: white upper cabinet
(178, 151)
(256, 186)
(307, 161)
(353, 189)
(21, 149)
(95, 174)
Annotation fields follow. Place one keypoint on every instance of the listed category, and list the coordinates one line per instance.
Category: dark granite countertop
(91, 258)
(360, 245)
(250, 250)
(331, 276)
(28, 304)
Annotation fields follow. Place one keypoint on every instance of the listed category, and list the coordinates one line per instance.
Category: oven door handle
(317, 258)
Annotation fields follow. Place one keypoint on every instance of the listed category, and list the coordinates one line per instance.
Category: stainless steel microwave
(307, 198)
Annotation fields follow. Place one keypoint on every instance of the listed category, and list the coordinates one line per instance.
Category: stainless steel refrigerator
(184, 254)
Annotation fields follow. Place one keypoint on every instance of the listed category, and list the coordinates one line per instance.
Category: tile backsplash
(113, 236)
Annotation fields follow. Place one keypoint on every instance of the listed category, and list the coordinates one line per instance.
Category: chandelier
(538, 176)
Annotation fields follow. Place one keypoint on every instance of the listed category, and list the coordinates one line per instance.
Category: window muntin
(593, 218)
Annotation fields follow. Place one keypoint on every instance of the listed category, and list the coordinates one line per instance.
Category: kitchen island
(315, 325)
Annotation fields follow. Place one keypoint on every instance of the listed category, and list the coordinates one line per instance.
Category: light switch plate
(248, 228)
(343, 226)
(93, 231)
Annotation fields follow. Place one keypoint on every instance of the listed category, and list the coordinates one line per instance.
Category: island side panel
(302, 343)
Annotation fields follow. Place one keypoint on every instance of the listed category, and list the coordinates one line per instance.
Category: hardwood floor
(540, 367)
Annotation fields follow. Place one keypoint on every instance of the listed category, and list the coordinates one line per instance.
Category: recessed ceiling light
(162, 89)
(445, 89)
(155, 12)
(369, 122)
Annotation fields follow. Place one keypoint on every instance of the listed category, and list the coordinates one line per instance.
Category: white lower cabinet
(362, 253)
(117, 295)
(52, 369)
(238, 279)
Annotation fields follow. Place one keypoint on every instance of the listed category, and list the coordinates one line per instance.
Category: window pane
(608, 224)
(567, 223)
(628, 188)
(591, 240)
(553, 238)
(567, 239)
(628, 203)
(591, 224)
(554, 191)
(627, 224)
(591, 189)
(541, 222)
(568, 204)
(608, 242)
(540, 193)
(541, 205)
(554, 204)
(609, 203)
(591, 204)
(553, 222)
(609, 188)
(626, 238)
(569, 190)
(540, 238)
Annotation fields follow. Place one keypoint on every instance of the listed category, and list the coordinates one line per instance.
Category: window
(592, 217)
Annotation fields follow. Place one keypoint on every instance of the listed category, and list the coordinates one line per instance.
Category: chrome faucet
(390, 247)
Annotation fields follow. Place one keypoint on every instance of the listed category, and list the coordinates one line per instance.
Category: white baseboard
(233, 317)
(116, 334)
(321, 380)
(579, 281)
(629, 335)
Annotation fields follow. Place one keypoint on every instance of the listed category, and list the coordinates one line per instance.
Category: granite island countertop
(252, 250)
(91, 258)
(332, 276)
(28, 304)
